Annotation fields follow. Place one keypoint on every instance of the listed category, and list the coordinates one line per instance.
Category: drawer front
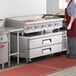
(45, 50)
(45, 41)
(35, 43)
(35, 53)
(56, 48)
(52, 49)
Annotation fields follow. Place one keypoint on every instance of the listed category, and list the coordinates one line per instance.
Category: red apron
(72, 31)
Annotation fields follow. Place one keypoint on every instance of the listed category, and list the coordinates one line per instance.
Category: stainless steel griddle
(34, 23)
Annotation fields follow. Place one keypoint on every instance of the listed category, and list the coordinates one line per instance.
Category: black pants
(71, 46)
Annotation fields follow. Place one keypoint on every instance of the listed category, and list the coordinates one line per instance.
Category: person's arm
(55, 14)
(59, 12)
(70, 23)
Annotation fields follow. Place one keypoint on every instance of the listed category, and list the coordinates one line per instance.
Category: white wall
(3, 8)
(9, 8)
(53, 6)
(63, 4)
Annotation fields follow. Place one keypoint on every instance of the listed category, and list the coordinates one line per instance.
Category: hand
(69, 27)
(46, 17)
(54, 14)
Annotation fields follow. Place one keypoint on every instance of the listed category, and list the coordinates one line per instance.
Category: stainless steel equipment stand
(11, 30)
(3, 47)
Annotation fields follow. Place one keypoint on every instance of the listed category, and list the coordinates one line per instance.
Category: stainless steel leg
(9, 50)
(9, 61)
(3, 66)
(18, 47)
(27, 60)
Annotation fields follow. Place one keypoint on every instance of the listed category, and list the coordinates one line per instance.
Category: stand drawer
(45, 50)
(45, 41)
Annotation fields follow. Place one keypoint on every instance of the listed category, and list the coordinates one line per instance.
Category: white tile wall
(21, 7)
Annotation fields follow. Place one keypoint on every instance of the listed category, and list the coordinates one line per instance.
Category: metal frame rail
(11, 30)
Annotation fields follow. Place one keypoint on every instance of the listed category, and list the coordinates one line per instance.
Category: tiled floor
(67, 72)
(13, 64)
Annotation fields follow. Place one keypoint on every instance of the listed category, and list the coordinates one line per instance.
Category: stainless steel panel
(64, 43)
(3, 38)
(3, 53)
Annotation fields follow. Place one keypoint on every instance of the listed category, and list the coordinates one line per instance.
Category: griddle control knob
(42, 26)
(27, 27)
(55, 24)
(50, 25)
(35, 27)
(30, 27)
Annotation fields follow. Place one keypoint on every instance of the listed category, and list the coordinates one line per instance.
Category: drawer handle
(2, 46)
(46, 50)
(46, 40)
